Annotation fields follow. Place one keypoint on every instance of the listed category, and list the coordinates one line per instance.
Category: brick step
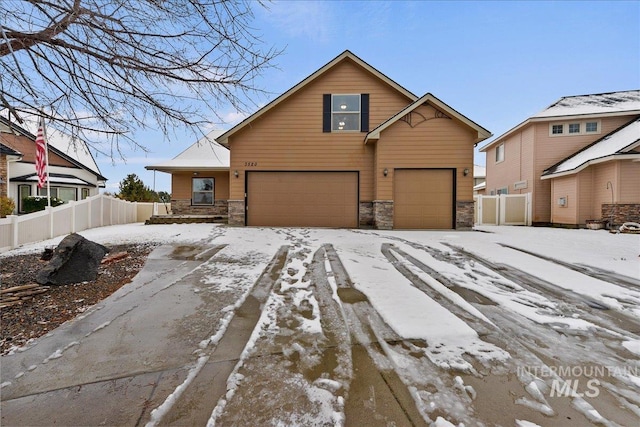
(187, 219)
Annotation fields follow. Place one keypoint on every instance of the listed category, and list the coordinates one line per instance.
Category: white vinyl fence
(95, 211)
(505, 209)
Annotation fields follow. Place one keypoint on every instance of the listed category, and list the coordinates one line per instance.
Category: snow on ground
(291, 323)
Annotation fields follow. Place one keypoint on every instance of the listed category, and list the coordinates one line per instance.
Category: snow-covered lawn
(467, 322)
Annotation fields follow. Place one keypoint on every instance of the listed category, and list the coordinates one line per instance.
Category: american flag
(41, 155)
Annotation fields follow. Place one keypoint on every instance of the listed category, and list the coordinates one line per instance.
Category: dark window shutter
(364, 112)
(326, 112)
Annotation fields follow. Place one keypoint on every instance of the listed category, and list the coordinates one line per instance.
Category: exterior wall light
(385, 172)
(235, 173)
(466, 171)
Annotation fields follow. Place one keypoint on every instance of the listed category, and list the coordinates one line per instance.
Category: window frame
(357, 113)
(560, 127)
(212, 191)
(503, 190)
(582, 124)
(500, 150)
(84, 191)
(586, 127)
(55, 192)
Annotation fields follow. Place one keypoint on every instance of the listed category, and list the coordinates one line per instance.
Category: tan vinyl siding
(181, 184)
(517, 165)
(290, 137)
(550, 150)
(585, 196)
(434, 143)
(629, 181)
(603, 173)
(564, 187)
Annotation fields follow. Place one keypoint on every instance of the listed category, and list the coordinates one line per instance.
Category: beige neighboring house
(479, 179)
(199, 178)
(579, 158)
(73, 172)
(349, 147)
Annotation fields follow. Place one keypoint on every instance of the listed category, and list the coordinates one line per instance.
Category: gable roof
(342, 57)
(482, 133)
(205, 154)
(581, 106)
(613, 146)
(600, 103)
(74, 151)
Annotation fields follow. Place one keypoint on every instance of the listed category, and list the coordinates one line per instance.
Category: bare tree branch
(116, 66)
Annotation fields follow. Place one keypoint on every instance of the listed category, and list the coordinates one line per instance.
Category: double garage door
(302, 199)
(423, 199)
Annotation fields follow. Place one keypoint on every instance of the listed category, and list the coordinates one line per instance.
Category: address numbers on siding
(251, 163)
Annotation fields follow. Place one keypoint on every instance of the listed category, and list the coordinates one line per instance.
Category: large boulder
(75, 260)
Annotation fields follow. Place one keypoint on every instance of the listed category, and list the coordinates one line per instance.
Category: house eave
(429, 98)
(531, 120)
(171, 169)
(612, 157)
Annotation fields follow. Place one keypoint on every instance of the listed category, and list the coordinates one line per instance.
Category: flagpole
(46, 159)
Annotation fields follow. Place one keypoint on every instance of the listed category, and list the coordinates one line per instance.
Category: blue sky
(496, 62)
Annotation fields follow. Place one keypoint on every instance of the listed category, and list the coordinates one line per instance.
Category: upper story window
(345, 113)
(591, 127)
(574, 128)
(202, 191)
(500, 153)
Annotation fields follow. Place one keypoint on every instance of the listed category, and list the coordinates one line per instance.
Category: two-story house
(578, 158)
(349, 147)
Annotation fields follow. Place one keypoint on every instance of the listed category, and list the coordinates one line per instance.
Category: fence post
(101, 210)
(14, 230)
(49, 211)
(88, 199)
(135, 212)
(73, 215)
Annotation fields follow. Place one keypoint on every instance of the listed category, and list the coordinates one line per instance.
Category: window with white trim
(84, 193)
(65, 194)
(504, 190)
(202, 191)
(500, 153)
(574, 128)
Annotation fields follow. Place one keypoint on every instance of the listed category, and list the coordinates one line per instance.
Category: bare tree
(113, 66)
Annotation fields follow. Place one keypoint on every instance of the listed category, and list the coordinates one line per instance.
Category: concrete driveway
(339, 327)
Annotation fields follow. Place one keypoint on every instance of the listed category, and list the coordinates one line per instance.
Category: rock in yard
(75, 260)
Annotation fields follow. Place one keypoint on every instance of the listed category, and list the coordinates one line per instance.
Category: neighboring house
(199, 178)
(73, 173)
(349, 147)
(7, 156)
(578, 158)
(479, 179)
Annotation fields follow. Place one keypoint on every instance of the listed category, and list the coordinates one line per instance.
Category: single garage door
(423, 198)
(302, 199)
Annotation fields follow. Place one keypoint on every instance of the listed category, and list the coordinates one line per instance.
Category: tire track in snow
(192, 401)
(529, 352)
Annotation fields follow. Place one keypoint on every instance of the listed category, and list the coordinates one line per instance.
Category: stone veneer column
(464, 215)
(365, 215)
(619, 213)
(236, 212)
(383, 214)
